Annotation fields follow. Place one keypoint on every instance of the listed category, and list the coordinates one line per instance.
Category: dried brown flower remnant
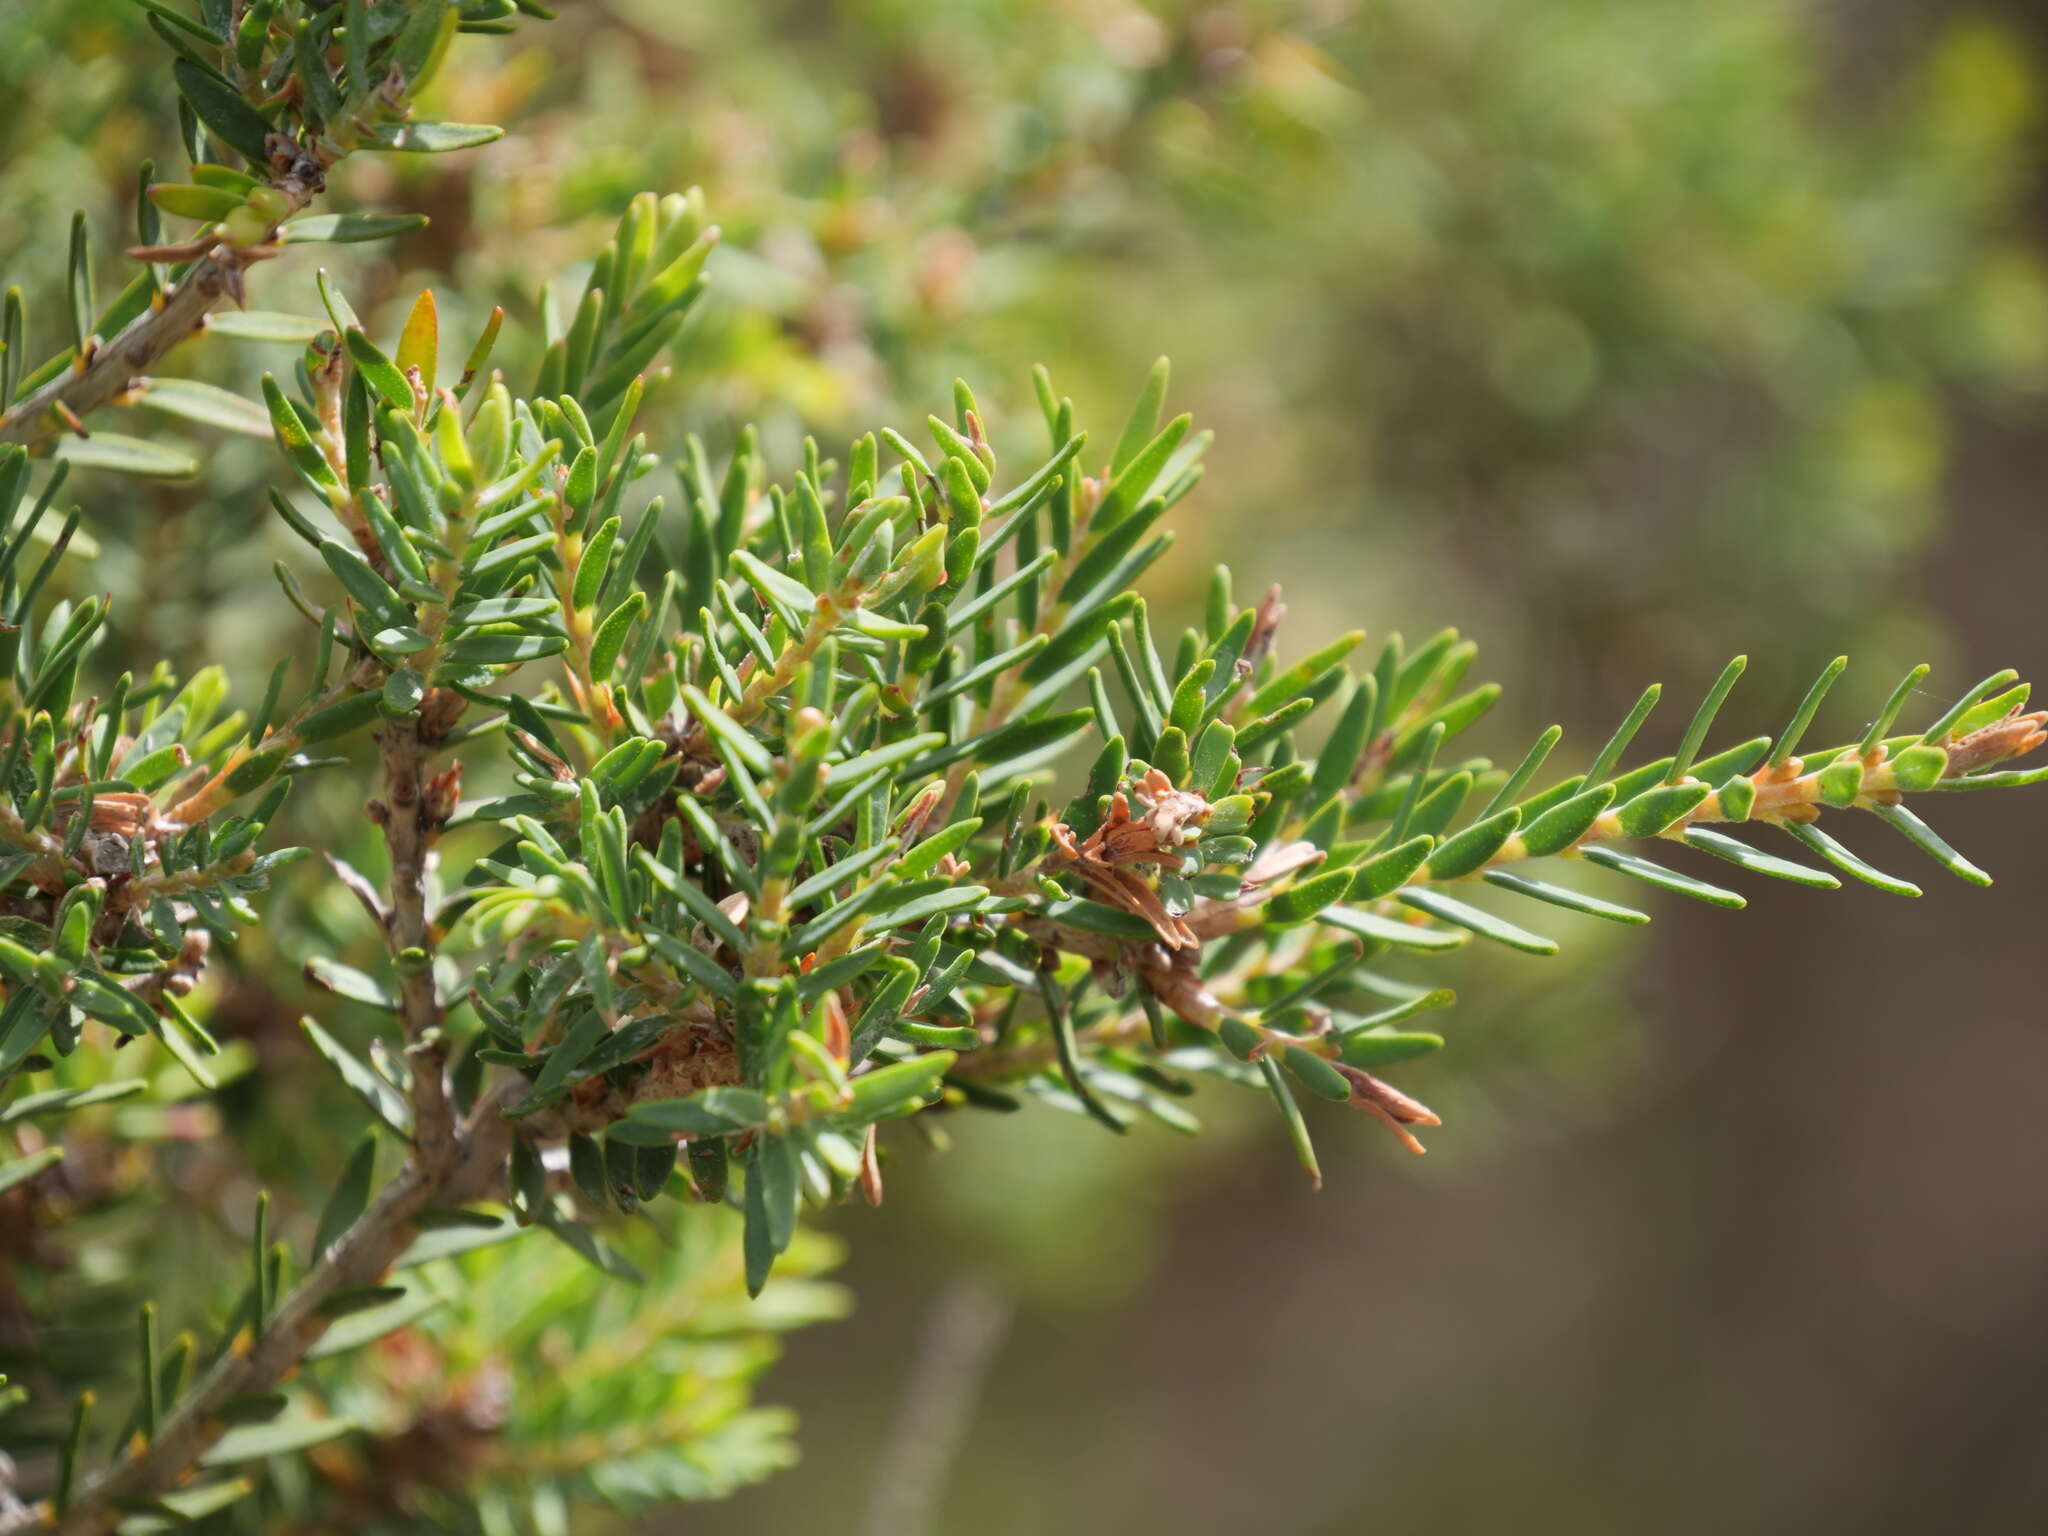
(1211, 919)
(1388, 1105)
(1167, 820)
(695, 1055)
(2014, 736)
(1173, 818)
(686, 1060)
(115, 820)
(124, 812)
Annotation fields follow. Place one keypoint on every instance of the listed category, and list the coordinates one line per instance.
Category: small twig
(106, 370)
(116, 365)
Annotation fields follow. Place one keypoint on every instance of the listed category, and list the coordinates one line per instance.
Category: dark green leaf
(225, 111)
(349, 228)
(430, 138)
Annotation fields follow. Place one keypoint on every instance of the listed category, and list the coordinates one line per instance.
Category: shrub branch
(465, 1167)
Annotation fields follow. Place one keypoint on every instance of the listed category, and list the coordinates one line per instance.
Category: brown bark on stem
(408, 817)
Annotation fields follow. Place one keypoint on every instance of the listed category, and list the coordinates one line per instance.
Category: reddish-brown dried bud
(444, 790)
(870, 1170)
(439, 710)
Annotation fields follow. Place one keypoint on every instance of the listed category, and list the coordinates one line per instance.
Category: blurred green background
(1623, 336)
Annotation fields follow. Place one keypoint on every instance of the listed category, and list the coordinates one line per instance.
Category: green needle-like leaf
(1561, 896)
(1743, 856)
(1664, 879)
(1474, 920)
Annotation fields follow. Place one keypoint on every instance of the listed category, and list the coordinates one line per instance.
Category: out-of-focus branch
(464, 1169)
(938, 1402)
(109, 368)
(105, 370)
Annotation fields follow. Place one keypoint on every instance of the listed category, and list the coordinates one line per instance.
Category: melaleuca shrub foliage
(733, 813)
